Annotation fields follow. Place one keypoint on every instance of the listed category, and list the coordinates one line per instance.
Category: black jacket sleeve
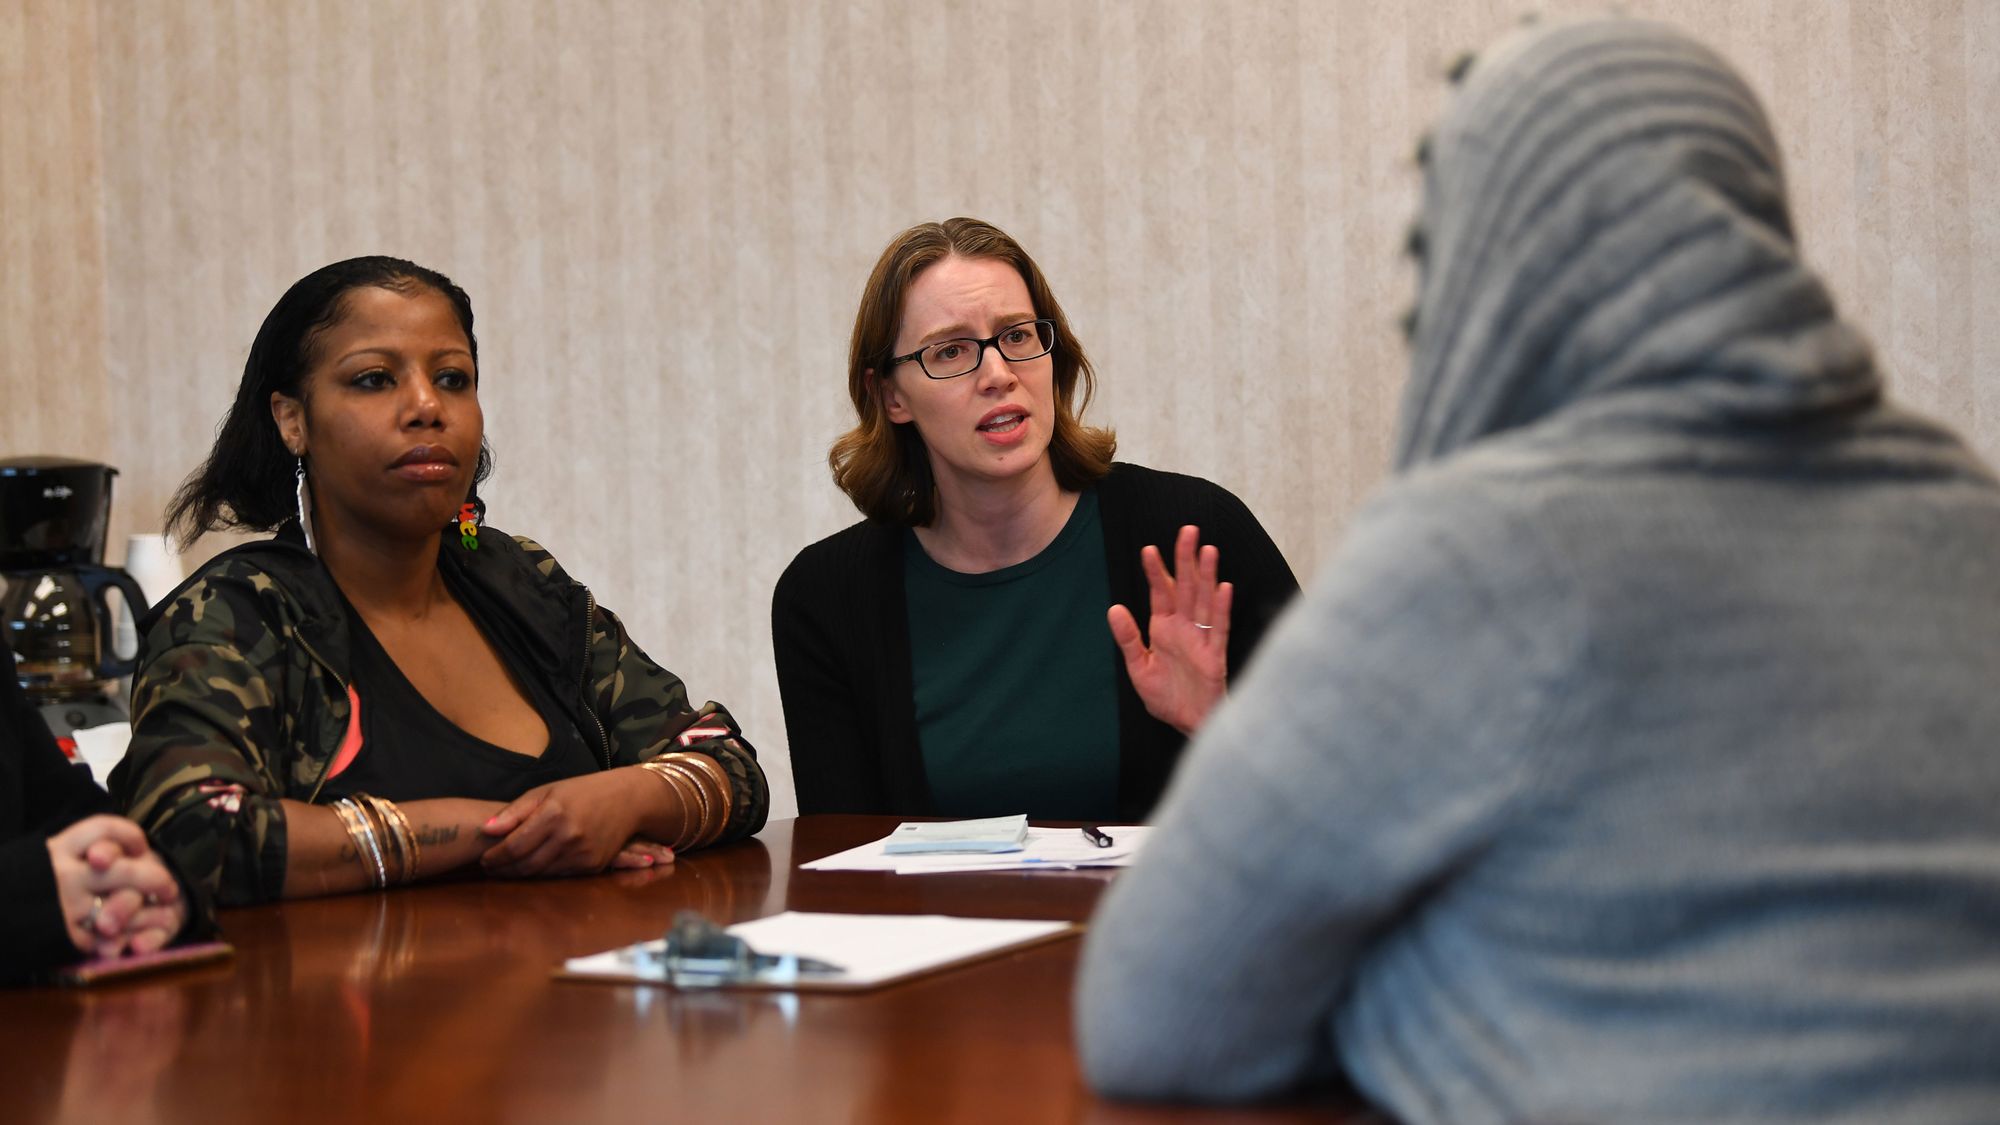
(834, 765)
(40, 794)
(1257, 571)
(32, 934)
(1147, 507)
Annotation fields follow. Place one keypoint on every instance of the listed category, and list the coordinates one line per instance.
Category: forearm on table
(322, 859)
(711, 792)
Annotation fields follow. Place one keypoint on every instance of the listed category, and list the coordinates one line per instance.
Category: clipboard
(853, 952)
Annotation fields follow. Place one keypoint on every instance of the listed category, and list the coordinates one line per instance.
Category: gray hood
(1604, 222)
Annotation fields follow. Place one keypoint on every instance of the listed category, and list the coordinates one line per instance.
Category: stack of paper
(103, 747)
(1045, 849)
(959, 837)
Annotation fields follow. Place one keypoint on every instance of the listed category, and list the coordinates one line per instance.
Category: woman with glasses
(950, 654)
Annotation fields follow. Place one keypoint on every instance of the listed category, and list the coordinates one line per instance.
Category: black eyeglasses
(1016, 343)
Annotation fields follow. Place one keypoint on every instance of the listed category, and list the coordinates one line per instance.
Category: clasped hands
(1185, 671)
(116, 895)
(576, 826)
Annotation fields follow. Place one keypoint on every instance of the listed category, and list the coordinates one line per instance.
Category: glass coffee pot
(56, 613)
(59, 624)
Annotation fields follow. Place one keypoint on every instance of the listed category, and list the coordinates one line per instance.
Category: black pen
(1097, 836)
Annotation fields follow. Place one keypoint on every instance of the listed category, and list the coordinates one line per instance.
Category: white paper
(103, 747)
(1047, 849)
(958, 837)
(872, 948)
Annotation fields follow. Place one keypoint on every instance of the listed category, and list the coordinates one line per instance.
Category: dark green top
(1016, 686)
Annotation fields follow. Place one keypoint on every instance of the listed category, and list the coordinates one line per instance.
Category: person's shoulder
(1465, 525)
(1127, 480)
(524, 579)
(855, 565)
(258, 562)
(1154, 504)
(1130, 475)
(1498, 488)
(269, 580)
(521, 552)
(861, 545)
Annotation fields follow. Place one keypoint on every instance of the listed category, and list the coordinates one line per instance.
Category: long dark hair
(247, 481)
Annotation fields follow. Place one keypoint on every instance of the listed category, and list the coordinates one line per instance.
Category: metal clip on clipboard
(700, 954)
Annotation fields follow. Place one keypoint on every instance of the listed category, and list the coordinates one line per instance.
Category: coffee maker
(55, 613)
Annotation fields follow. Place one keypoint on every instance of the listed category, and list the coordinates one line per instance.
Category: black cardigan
(841, 635)
(41, 793)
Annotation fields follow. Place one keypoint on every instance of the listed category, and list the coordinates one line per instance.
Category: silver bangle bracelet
(373, 849)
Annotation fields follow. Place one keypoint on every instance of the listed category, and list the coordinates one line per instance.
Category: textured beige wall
(53, 383)
(664, 213)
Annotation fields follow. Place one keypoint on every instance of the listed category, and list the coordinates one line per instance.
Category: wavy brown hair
(882, 465)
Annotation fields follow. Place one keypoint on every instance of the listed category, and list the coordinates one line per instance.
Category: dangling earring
(469, 515)
(305, 506)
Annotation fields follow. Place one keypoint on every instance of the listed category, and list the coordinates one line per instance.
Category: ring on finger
(1199, 625)
(96, 908)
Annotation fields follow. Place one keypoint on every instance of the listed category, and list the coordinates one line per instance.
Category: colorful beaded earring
(468, 525)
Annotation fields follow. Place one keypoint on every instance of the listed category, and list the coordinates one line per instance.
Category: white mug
(154, 565)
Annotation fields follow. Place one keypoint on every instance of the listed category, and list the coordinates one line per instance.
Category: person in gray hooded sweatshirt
(1638, 757)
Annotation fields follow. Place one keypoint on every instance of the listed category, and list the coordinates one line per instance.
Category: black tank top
(410, 752)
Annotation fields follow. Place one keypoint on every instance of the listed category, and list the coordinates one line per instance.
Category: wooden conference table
(435, 1003)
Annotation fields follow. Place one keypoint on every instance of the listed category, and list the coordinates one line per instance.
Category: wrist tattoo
(437, 833)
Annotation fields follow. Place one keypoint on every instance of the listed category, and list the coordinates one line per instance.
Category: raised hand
(1185, 672)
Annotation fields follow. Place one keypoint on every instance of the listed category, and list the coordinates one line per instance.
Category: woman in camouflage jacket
(246, 706)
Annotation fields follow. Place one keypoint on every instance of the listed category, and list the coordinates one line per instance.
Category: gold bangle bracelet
(695, 823)
(711, 802)
(416, 846)
(409, 853)
(339, 809)
(395, 858)
(698, 830)
(357, 836)
(715, 816)
(719, 809)
(406, 838)
(684, 793)
(718, 779)
(671, 765)
(392, 855)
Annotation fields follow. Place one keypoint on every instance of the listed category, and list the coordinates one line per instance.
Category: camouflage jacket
(241, 699)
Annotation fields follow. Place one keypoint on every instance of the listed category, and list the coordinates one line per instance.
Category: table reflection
(436, 1002)
(119, 1048)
